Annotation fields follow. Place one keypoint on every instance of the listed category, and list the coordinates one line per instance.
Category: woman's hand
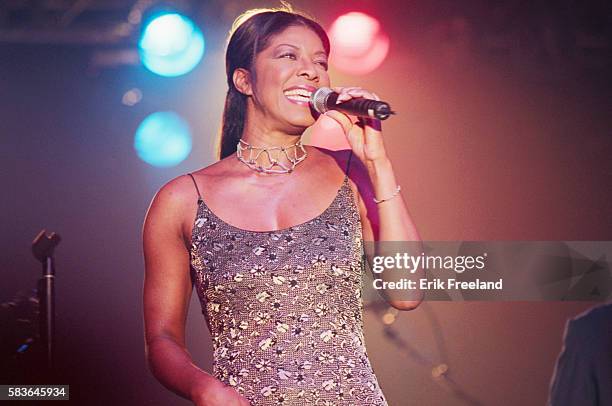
(364, 134)
(216, 393)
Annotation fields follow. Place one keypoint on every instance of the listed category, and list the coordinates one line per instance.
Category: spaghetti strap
(348, 166)
(196, 186)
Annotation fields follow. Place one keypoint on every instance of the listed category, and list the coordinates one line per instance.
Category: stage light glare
(171, 45)
(354, 33)
(359, 44)
(163, 139)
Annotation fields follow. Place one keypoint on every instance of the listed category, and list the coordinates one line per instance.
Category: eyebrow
(295, 47)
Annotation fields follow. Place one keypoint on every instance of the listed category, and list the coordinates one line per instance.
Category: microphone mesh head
(319, 98)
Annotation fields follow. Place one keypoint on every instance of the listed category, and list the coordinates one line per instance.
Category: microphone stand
(43, 248)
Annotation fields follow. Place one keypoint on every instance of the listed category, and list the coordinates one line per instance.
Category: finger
(359, 92)
(354, 93)
(340, 89)
(343, 93)
(372, 123)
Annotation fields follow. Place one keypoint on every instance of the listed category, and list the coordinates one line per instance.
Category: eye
(291, 55)
(323, 64)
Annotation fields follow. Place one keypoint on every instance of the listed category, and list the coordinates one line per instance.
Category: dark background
(503, 133)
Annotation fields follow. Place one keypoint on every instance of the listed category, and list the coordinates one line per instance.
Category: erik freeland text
(435, 284)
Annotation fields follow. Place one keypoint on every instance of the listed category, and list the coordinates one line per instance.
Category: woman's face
(286, 73)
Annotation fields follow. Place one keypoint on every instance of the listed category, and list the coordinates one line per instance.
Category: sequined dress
(284, 307)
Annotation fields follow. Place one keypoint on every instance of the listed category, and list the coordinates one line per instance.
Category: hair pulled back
(250, 34)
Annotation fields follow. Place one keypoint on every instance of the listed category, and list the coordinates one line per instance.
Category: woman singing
(271, 236)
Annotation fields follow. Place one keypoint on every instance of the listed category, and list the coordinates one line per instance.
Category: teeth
(298, 92)
(298, 98)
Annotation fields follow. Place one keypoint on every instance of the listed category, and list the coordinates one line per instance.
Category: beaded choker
(273, 155)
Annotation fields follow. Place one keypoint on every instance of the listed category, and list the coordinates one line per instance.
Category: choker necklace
(290, 152)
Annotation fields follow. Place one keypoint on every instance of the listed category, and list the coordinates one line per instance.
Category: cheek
(272, 84)
(265, 90)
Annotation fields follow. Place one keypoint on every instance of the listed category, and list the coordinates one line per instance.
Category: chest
(269, 207)
(322, 247)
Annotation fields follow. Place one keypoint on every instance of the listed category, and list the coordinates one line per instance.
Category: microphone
(324, 99)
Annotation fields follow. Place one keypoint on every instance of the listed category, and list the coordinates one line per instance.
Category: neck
(260, 131)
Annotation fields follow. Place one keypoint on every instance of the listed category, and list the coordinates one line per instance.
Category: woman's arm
(390, 220)
(387, 226)
(167, 292)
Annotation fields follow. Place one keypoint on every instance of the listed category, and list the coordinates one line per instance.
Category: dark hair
(250, 34)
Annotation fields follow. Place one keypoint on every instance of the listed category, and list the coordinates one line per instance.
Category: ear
(242, 81)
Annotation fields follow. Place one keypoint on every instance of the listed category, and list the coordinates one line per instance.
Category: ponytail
(234, 114)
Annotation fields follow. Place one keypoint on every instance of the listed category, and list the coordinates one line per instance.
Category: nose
(308, 70)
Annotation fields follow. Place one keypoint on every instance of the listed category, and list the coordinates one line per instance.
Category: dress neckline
(202, 204)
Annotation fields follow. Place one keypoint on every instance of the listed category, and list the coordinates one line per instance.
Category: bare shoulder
(174, 205)
(215, 172)
(176, 193)
(166, 213)
(182, 189)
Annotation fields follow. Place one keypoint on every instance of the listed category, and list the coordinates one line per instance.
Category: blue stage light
(171, 45)
(163, 139)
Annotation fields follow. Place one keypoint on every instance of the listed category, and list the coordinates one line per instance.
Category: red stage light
(359, 45)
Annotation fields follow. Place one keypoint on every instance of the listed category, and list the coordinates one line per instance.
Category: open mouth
(298, 95)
